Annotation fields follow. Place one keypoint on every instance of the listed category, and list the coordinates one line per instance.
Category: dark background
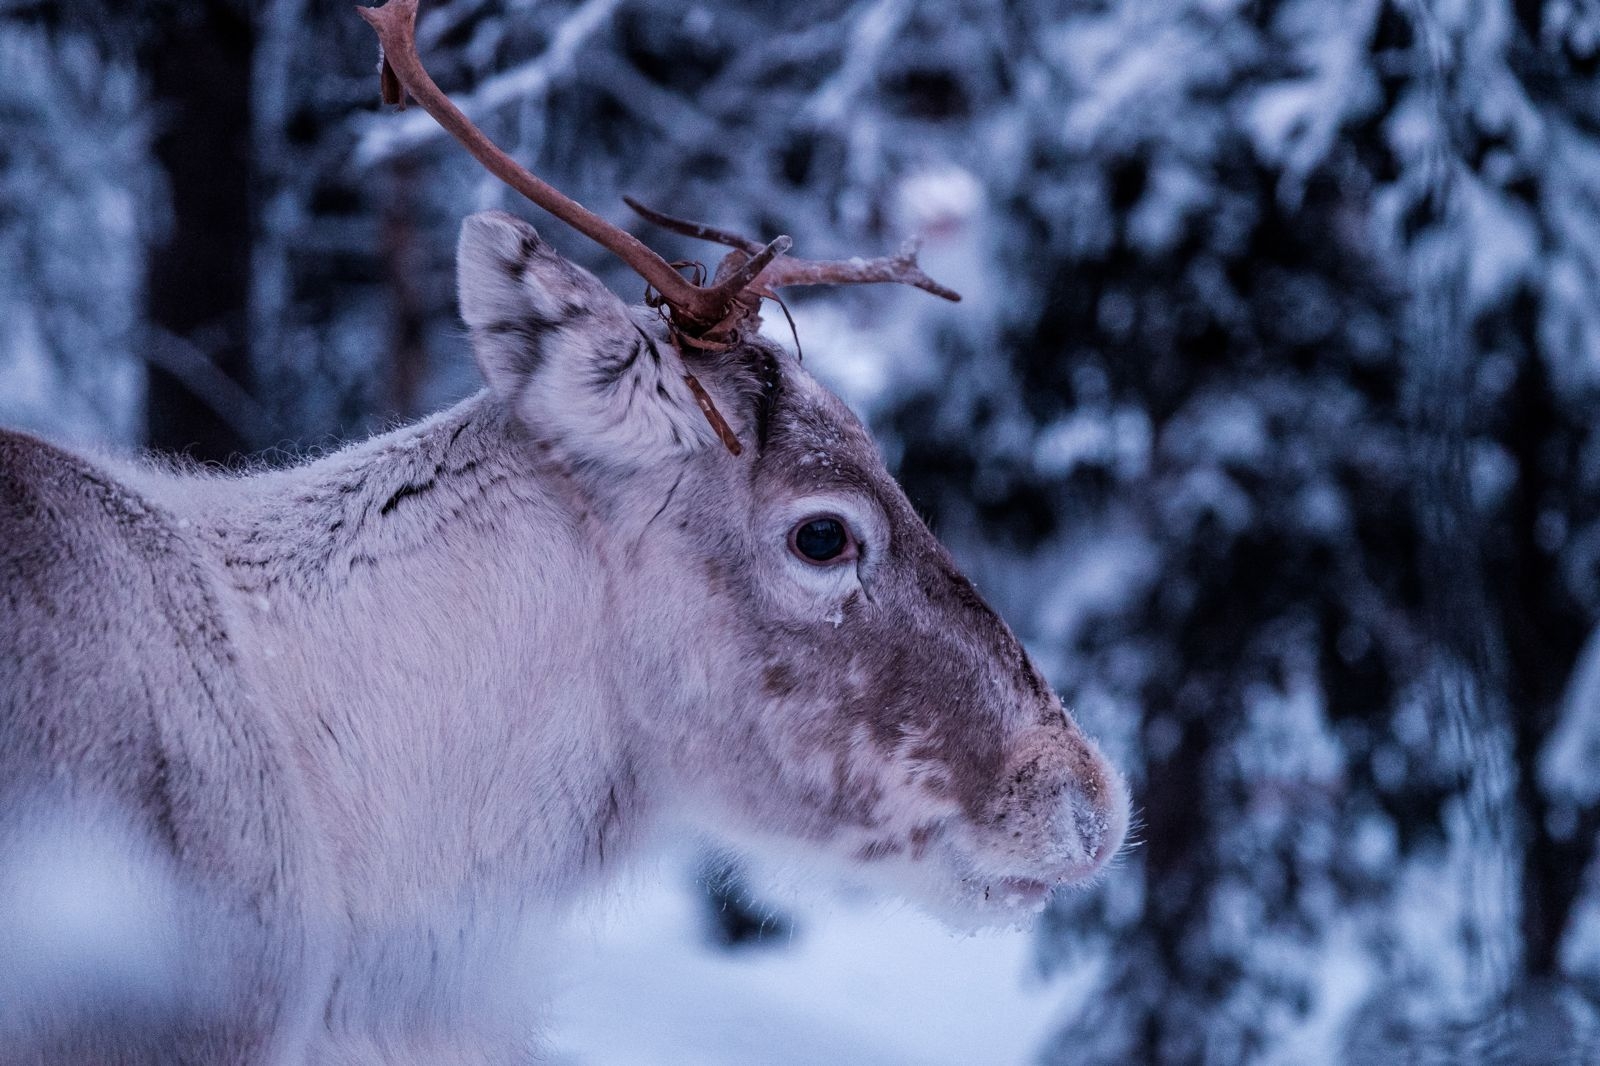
(1269, 420)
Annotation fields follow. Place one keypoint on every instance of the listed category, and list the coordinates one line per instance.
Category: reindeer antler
(787, 270)
(402, 72)
(711, 312)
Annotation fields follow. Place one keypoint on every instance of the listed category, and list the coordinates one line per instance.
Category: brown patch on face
(779, 680)
(936, 782)
(1027, 789)
(892, 683)
(854, 801)
(970, 745)
(966, 748)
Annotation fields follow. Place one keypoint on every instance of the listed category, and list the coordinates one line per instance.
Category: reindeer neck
(427, 614)
(313, 532)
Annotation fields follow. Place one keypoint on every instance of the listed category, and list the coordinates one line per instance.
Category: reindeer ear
(562, 350)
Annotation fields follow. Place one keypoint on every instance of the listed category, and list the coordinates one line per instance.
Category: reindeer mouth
(1004, 895)
(1024, 891)
(985, 901)
(1027, 895)
(1017, 891)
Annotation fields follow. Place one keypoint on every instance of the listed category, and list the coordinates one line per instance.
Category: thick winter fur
(365, 722)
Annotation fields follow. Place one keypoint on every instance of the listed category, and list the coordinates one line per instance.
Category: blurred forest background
(1269, 419)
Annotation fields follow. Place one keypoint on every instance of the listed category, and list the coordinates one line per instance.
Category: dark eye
(820, 540)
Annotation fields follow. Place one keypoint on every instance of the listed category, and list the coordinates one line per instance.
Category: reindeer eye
(819, 540)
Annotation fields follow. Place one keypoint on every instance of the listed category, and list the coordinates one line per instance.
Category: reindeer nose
(1090, 815)
(1090, 822)
(1063, 811)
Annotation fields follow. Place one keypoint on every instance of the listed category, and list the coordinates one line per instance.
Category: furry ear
(563, 351)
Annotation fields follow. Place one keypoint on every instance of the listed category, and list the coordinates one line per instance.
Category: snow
(871, 984)
(70, 279)
(1572, 752)
(88, 913)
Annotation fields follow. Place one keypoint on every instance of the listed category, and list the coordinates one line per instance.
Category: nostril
(1091, 830)
(1083, 826)
(1092, 822)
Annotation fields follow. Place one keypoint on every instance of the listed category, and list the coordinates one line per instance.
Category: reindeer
(292, 763)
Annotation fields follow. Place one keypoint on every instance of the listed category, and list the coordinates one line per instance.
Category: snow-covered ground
(870, 984)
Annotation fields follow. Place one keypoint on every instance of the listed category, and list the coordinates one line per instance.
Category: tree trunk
(198, 283)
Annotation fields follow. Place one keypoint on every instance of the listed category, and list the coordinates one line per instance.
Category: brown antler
(788, 270)
(711, 311)
(695, 308)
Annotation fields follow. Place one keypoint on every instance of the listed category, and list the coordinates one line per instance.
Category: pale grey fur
(373, 718)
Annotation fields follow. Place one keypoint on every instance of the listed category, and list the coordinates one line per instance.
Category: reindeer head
(801, 656)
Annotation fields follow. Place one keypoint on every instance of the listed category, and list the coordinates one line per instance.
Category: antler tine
(900, 269)
(785, 271)
(698, 230)
(699, 307)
